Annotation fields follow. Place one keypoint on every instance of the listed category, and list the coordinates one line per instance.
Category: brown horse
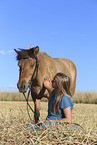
(47, 67)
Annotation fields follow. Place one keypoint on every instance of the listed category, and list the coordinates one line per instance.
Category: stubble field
(14, 121)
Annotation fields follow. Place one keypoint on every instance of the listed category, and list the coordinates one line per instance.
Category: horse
(33, 62)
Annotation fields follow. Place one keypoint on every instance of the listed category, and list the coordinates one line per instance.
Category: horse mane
(24, 53)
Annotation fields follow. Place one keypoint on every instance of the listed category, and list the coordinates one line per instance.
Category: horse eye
(32, 65)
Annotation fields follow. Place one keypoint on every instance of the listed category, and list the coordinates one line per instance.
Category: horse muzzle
(23, 87)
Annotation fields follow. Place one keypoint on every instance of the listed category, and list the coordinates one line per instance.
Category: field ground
(14, 120)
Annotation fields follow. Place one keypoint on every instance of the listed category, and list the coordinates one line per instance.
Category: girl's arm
(67, 113)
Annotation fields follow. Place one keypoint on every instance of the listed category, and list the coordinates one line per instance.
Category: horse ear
(36, 50)
(16, 51)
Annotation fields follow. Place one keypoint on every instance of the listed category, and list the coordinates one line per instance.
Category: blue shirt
(64, 103)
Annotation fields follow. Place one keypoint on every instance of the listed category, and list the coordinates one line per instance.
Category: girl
(60, 104)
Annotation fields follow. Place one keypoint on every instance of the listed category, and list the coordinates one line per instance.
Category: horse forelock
(24, 53)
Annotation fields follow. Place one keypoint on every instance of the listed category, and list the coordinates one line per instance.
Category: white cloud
(5, 52)
(9, 88)
(2, 52)
(10, 51)
(12, 86)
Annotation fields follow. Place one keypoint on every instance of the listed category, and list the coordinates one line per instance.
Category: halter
(35, 70)
(30, 82)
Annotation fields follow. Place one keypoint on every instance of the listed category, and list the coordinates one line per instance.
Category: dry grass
(89, 97)
(11, 96)
(79, 97)
(14, 120)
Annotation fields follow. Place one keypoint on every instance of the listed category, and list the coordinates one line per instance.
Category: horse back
(51, 66)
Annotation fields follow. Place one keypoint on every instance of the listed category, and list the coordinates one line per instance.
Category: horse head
(27, 67)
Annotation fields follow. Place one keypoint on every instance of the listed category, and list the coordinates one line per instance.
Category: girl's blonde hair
(63, 83)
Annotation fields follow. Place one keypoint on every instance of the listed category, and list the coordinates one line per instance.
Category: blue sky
(61, 28)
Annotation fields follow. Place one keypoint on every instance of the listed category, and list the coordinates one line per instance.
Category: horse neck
(43, 57)
(43, 60)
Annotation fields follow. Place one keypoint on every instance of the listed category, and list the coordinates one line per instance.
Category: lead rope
(26, 98)
(28, 105)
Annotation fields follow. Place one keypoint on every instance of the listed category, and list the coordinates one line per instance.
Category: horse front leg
(36, 110)
(37, 93)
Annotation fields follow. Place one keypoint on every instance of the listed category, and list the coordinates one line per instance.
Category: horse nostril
(23, 86)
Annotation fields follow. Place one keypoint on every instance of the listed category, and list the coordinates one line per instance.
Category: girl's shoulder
(66, 102)
(64, 98)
